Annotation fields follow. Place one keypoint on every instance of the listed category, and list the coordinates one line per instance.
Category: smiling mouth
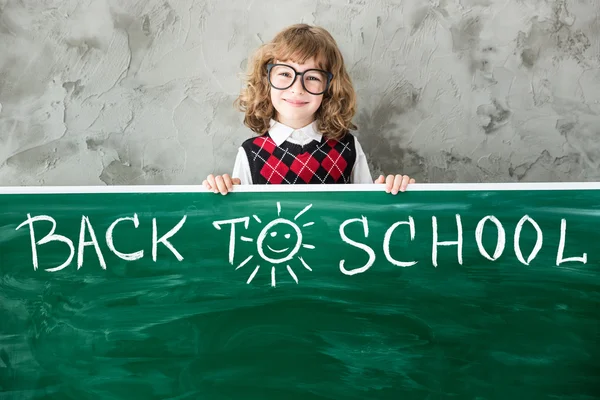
(277, 251)
(296, 102)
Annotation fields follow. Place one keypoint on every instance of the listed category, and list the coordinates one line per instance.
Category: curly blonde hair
(299, 43)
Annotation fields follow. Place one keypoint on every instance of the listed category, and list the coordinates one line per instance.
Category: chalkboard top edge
(299, 188)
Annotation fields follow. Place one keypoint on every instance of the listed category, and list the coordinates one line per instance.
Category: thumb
(236, 181)
(381, 179)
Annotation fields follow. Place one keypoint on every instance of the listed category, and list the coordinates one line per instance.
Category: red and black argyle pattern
(328, 161)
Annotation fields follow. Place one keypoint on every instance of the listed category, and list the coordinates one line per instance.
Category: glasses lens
(281, 76)
(315, 81)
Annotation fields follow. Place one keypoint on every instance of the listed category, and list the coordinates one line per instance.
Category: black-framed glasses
(314, 81)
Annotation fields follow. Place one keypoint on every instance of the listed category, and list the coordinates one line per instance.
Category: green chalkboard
(444, 291)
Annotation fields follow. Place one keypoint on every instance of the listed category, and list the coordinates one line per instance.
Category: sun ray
(253, 274)
(291, 271)
(304, 264)
(257, 219)
(305, 209)
(278, 209)
(273, 276)
(308, 224)
(246, 239)
(244, 262)
(308, 246)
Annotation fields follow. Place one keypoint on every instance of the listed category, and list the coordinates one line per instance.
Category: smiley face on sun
(279, 241)
(270, 233)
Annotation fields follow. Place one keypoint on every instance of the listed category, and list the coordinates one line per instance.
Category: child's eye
(286, 74)
(314, 78)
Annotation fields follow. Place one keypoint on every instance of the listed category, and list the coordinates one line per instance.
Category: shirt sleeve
(361, 172)
(241, 168)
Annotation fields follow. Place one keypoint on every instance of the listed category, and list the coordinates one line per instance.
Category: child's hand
(221, 183)
(395, 183)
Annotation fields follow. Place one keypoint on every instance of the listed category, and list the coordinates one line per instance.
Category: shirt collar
(280, 132)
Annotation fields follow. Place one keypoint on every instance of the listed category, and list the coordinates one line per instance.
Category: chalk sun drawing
(269, 245)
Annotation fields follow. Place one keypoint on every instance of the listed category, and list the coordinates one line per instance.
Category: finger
(228, 182)
(405, 180)
(212, 183)
(389, 183)
(397, 184)
(206, 184)
(381, 179)
(221, 184)
(236, 181)
(412, 180)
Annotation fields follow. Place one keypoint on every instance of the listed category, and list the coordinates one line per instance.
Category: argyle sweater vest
(328, 161)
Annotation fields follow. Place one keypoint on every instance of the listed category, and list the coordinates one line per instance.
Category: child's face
(295, 106)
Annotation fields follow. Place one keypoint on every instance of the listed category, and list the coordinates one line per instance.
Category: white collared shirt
(280, 133)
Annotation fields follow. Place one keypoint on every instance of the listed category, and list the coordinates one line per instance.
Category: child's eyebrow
(299, 66)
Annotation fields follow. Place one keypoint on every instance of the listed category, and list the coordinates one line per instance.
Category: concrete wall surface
(105, 92)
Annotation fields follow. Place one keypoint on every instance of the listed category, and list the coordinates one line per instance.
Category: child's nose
(297, 86)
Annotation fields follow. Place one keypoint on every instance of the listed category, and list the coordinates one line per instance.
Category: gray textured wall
(97, 92)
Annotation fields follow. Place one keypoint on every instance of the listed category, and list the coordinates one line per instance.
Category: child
(299, 100)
